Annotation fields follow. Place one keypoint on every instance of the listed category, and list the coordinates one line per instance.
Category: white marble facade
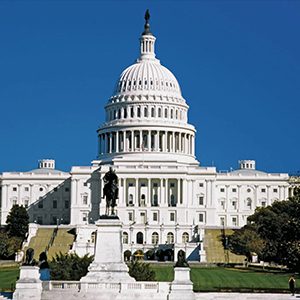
(165, 196)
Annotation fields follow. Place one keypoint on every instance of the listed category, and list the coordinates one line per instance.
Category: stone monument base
(182, 286)
(29, 286)
(108, 265)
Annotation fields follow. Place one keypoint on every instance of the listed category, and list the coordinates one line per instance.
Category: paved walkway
(244, 296)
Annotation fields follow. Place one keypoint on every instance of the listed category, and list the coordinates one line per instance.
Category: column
(149, 140)
(124, 191)
(184, 190)
(179, 142)
(110, 143)
(167, 192)
(132, 140)
(149, 193)
(193, 145)
(141, 145)
(136, 192)
(173, 142)
(179, 199)
(156, 147)
(117, 141)
(124, 141)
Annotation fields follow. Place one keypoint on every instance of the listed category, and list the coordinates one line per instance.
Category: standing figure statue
(110, 190)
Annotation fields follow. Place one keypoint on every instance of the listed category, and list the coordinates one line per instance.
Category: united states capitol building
(165, 196)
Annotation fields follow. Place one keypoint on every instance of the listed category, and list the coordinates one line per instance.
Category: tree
(17, 222)
(141, 271)
(274, 231)
(69, 266)
(245, 241)
(9, 245)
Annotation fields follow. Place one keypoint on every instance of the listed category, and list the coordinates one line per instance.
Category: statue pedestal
(29, 286)
(181, 286)
(108, 265)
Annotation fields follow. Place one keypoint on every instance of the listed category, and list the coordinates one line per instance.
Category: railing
(155, 287)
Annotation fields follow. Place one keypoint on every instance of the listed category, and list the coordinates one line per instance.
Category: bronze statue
(181, 260)
(110, 190)
(29, 261)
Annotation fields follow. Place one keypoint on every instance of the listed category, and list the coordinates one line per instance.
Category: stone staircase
(215, 252)
(52, 240)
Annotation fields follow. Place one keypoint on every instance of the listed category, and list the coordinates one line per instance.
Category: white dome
(147, 76)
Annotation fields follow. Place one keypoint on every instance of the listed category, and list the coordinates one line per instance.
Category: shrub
(141, 271)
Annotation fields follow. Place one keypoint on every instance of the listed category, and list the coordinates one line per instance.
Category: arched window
(159, 112)
(176, 114)
(125, 113)
(119, 113)
(143, 198)
(139, 238)
(171, 113)
(152, 112)
(125, 237)
(138, 112)
(170, 238)
(131, 112)
(166, 112)
(154, 238)
(185, 237)
(145, 112)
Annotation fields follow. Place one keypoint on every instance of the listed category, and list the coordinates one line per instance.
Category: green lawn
(8, 277)
(213, 279)
(204, 279)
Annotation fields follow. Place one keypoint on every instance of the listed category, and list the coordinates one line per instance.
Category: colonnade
(145, 111)
(146, 140)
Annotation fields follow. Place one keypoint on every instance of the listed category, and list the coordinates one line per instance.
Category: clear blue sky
(238, 64)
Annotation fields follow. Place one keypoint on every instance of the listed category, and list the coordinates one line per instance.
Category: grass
(219, 278)
(204, 279)
(8, 277)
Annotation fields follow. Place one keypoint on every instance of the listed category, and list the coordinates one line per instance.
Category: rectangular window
(222, 190)
(54, 203)
(275, 190)
(143, 217)
(85, 199)
(201, 200)
(223, 204)
(14, 189)
(263, 203)
(26, 189)
(172, 216)
(155, 216)
(143, 184)
(201, 218)
(234, 190)
(263, 190)
(172, 185)
(15, 202)
(234, 221)
(26, 203)
(130, 184)
(85, 184)
(40, 204)
(67, 189)
(66, 204)
(130, 216)
(154, 184)
(200, 184)
(84, 217)
(222, 221)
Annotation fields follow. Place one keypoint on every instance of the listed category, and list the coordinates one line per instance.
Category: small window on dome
(131, 112)
(162, 83)
(134, 83)
(129, 83)
(140, 82)
(166, 113)
(166, 84)
(151, 82)
(145, 82)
